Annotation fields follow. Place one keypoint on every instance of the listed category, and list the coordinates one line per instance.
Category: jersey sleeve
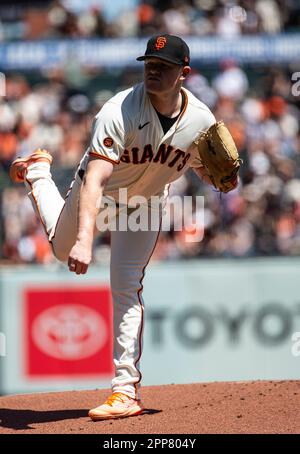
(207, 120)
(108, 134)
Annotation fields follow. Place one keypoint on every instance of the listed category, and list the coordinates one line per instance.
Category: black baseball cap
(168, 47)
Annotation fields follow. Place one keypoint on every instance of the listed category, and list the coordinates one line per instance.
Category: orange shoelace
(116, 397)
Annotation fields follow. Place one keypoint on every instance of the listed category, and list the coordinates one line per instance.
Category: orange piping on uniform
(66, 196)
(97, 155)
(142, 311)
(37, 207)
(185, 105)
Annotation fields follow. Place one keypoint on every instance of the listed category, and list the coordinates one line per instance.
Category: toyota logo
(69, 332)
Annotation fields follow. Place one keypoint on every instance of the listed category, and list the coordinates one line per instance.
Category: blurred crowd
(56, 19)
(260, 218)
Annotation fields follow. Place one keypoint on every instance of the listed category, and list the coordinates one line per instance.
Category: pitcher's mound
(241, 407)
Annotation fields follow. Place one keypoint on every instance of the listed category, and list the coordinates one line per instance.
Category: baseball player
(142, 140)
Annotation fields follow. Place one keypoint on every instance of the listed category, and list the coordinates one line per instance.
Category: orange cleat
(118, 405)
(19, 167)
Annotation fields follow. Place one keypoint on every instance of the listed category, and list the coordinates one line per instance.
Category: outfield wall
(206, 320)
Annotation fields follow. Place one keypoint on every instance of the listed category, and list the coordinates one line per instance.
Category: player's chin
(153, 86)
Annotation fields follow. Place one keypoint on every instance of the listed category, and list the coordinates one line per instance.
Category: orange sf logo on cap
(108, 142)
(160, 42)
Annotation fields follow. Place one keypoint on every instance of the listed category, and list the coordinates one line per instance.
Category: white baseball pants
(130, 254)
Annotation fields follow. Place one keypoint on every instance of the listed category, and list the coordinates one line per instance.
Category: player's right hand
(80, 257)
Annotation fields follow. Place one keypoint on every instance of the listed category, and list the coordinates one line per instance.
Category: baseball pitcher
(142, 139)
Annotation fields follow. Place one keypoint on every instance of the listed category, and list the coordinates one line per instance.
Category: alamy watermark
(2, 85)
(137, 213)
(2, 344)
(296, 343)
(296, 85)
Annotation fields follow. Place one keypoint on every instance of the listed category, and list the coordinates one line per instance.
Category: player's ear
(185, 72)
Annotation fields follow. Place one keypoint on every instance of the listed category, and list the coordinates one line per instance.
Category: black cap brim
(162, 57)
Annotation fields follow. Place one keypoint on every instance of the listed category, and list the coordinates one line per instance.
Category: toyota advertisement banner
(58, 331)
(67, 332)
(56, 328)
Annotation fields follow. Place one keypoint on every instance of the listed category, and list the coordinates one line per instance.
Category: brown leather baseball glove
(219, 156)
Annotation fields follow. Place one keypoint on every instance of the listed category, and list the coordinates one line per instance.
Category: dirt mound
(242, 407)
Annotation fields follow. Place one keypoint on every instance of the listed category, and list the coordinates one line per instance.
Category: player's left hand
(80, 257)
(219, 156)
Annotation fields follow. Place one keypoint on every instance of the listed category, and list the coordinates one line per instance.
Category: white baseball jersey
(128, 133)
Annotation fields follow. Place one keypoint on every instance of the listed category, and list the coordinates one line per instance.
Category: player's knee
(125, 279)
(60, 254)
